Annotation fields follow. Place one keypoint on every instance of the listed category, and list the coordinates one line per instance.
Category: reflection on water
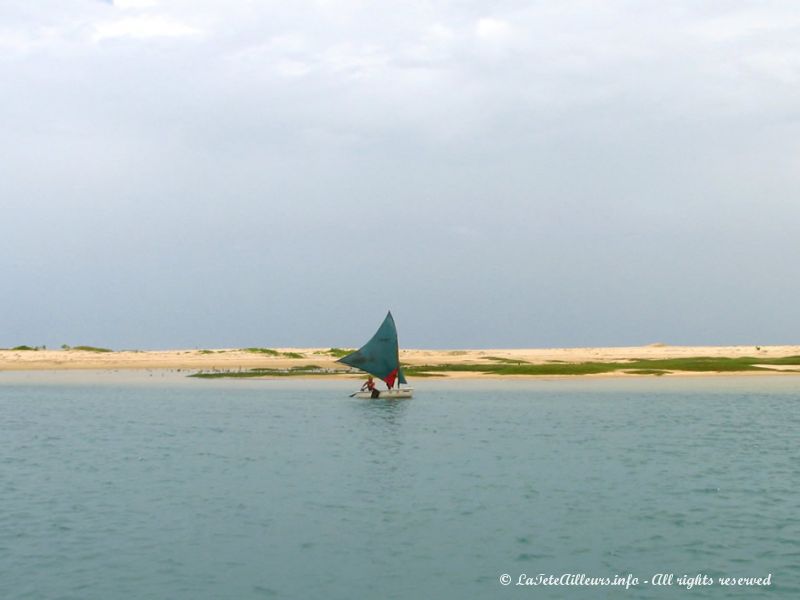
(381, 418)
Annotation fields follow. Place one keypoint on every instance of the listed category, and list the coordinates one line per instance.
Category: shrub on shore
(339, 352)
(91, 349)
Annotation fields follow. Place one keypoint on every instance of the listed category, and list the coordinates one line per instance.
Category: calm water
(140, 487)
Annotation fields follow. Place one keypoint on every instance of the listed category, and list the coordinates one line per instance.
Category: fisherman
(369, 385)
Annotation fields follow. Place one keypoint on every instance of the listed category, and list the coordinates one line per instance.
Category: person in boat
(369, 385)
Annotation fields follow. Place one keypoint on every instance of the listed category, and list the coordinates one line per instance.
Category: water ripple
(243, 490)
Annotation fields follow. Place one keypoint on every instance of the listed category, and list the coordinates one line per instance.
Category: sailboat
(380, 357)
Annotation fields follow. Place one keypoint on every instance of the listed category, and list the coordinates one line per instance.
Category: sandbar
(288, 358)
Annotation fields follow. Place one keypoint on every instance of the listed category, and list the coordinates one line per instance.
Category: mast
(380, 356)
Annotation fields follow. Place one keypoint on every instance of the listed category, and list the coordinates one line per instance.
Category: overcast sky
(192, 173)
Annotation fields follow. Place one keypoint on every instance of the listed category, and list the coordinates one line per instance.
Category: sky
(198, 174)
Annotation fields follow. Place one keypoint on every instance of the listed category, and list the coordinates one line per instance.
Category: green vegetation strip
(91, 349)
(303, 370)
(641, 366)
(267, 351)
(271, 352)
(507, 361)
(339, 352)
(656, 372)
(633, 367)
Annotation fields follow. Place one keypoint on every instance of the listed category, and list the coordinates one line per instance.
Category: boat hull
(386, 394)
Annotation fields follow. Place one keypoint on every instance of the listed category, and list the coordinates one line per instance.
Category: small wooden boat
(395, 394)
(380, 357)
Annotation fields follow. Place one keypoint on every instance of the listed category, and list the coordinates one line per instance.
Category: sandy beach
(286, 358)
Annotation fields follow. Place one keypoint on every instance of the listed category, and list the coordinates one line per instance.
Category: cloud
(128, 4)
(552, 132)
(494, 30)
(143, 27)
(739, 24)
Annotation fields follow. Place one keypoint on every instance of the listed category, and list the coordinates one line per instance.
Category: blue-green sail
(379, 356)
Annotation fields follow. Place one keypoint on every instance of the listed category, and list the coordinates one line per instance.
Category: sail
(379, 356)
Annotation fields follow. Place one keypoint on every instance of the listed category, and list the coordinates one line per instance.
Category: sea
(153, 485)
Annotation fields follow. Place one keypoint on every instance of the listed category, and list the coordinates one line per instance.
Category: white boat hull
(387, 394)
